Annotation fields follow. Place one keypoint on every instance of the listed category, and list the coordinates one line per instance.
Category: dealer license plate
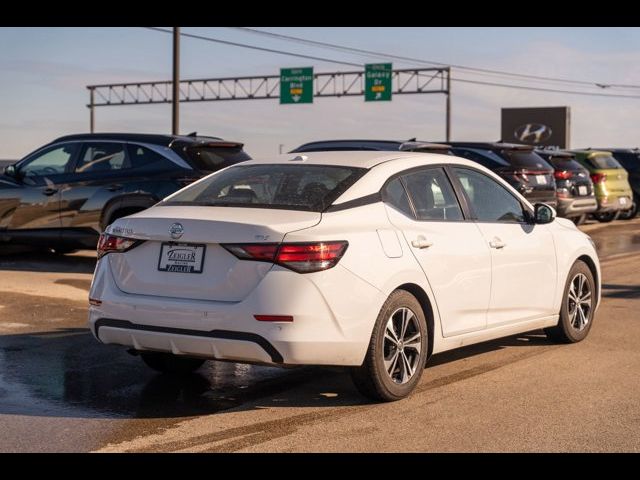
(181, 258)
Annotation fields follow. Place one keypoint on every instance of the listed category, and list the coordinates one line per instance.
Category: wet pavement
(62, 391)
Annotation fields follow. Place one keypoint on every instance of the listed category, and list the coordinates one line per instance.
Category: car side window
(143, 158)
(103, 158)
(396, 196)
(490, 201)
(53, 161)
(432, 195)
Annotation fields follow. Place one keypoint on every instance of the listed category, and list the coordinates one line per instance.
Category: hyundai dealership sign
(540, 126)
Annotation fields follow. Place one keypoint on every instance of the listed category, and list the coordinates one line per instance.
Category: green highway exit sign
(296, 85)
(377, 82)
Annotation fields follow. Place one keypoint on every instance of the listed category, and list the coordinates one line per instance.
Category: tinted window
(211, 158)
(560, 163)
(292, 187)
(526, 159)
(630, 161)
(490, 200)
(145, 158)
(432, 195)
(486, 158)
(603, 161)
(52, 161)
(103, 157)
(396, 196)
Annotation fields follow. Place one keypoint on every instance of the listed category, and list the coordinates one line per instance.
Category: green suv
(610, 182)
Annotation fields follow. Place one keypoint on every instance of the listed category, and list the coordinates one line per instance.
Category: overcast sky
(45, 71)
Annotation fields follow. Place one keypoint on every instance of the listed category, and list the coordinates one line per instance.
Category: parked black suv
(519, 165)
(629, 158)
(574, 188)
(412, 145)
(64, 194)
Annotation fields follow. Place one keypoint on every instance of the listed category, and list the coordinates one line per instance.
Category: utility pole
(175, 118)
(448, 132)
(92, 118)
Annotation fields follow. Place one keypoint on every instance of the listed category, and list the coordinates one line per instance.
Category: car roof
(491, 145)
(348, 143)
(590, 152)
(357, 158)
(616, 150)
(548, 153)
(158, 139)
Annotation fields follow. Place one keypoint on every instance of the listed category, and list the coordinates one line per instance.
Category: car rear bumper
(571, 207)
(614, 203)
(327, 329)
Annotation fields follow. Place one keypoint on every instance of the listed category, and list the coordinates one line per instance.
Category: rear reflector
(273, 318)
(299, 257)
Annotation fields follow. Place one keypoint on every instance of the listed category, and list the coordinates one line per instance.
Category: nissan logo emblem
(532, 133)
(176, 230)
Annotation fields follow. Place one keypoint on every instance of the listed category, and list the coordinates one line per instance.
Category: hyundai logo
(176, 230)
(532, 133)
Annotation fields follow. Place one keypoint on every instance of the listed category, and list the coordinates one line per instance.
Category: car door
(37, 194)
(523, 259)
(99, 174)
(450, 248)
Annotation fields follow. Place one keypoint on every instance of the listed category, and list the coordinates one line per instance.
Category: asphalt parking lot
(62, 391)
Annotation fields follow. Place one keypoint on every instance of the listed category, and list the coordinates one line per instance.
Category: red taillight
(299, 257)
(563, 174)
(598, 177)
(111, 243)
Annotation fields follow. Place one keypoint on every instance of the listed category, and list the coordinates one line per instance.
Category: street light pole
(448, 132)
(175, 120)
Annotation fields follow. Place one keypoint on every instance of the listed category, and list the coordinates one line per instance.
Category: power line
(255, 47)
(477, 82)
(360, 51)
(541, 89)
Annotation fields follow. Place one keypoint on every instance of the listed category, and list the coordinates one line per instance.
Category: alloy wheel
(579, 302)
(402, 345)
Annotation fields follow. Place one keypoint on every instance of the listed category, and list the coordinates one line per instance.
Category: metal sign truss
(331, 84)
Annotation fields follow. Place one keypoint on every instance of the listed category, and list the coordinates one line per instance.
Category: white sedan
(369, 260)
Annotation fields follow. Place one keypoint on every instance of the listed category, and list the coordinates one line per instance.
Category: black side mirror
(10, 171)
(543, 213)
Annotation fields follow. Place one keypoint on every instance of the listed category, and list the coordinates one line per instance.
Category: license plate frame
(189, 260)
(582, 190)
(623, 201)
(541, 180)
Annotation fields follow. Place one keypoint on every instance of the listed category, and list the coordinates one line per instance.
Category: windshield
(210, 158)
(603, 161)
(526, 159)
(563, 163)
(291, 187)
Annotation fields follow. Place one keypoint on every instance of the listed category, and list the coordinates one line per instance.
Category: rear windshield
(210, 158)
(290, 187)
(526, 159)
(560, 163)
(603, 161)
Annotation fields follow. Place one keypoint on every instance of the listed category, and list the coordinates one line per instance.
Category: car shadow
(611, 290)
(66, 373)
(39, 261)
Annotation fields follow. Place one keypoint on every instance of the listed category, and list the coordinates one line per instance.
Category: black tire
(605, 217)
(372, 378)
(169, 363)
(566, 330)
(579, 220)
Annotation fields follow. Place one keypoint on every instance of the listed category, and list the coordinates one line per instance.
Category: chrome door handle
(497, 243)
(49, 191)
(421, 242)
(114, 187)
